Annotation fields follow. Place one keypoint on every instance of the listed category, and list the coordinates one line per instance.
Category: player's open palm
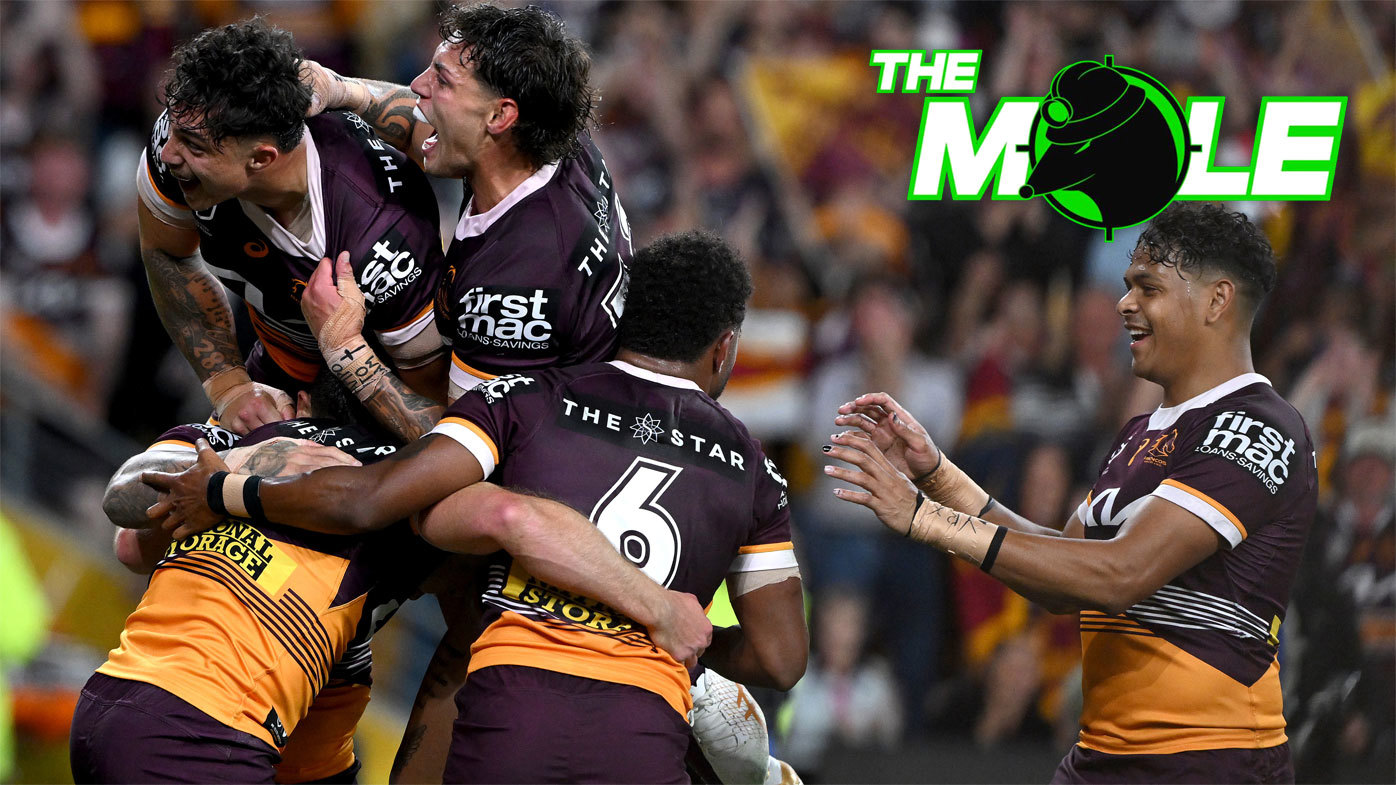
(684, 630)
(183, 507)
(897, 435)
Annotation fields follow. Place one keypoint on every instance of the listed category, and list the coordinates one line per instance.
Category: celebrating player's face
(458, 106)
(207, 173)
(1157, 308)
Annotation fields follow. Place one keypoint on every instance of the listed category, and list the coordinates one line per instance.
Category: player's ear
(505, 114)
(303, 407)
(1221, 299)
(263, 154)
(724, 351)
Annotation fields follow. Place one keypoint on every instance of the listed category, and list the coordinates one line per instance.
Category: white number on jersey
(632, 520)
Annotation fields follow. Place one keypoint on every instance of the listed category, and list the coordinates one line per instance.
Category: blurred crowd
(993, 321)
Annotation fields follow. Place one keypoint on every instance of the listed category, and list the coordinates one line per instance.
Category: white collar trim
(1164, 417)
(476, 225)
(278, 234)
(657, 378)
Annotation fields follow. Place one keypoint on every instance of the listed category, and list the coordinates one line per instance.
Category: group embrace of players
(526, 426)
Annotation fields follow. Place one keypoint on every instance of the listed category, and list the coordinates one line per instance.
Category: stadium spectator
(1157, 559)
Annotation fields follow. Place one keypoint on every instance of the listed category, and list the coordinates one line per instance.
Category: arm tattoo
(411, 742)
(269, 459)
(194, 310)
(406, 413)
(127, 497)
(389, 111)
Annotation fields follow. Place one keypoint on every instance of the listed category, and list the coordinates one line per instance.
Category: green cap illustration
(1109, 146)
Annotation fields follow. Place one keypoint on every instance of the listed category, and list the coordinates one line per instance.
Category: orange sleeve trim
(412, 320)
(1218, 506)
(475, 429)
(167, 200)
(775, 546)
(478, 374)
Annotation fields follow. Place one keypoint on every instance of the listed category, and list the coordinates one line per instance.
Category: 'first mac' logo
(1108, 146)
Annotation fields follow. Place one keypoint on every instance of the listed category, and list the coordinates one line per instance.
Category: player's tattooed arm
(390, 110)
(402, 411)
(427, 739)
(386, 107)
(127, 498)
(194, 309)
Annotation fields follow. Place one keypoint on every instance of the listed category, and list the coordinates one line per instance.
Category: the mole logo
(1108, 147)
(256, 249)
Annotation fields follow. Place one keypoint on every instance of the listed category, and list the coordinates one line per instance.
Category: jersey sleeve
(1233, 472)
(181, 438)
(156, 186)
(399, 272)
(768, 546)
(493, 416)
(593, 336)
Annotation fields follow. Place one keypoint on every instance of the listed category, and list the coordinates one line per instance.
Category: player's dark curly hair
(241, 79)
(685, 291)
(1197, 237)
(525, 54)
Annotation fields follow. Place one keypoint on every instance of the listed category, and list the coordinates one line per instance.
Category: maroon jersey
(1193, 666)
(539, 279)
(365, 198)
(672, 479)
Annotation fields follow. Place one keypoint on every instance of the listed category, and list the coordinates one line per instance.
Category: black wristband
(215, 492)
(939, 460)
(993, 552)
(989, 505)
(252, 499)
(920, 500)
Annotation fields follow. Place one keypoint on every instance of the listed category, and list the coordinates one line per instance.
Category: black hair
(1200, 237)
(241, 79)
(526, 54)
(331, 400)
(685, 291)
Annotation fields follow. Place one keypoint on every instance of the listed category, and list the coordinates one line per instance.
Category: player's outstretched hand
(886, 491)
(684, 630)
(333, 304)
(284, 457)
(257, 405)
(893, 431)
(183, 507)
(328, 90)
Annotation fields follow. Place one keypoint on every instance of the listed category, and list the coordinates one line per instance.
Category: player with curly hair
(1181, 558)
(239, 190)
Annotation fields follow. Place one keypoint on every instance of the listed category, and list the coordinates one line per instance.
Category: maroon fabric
(518, 724)
(545, 283)
(1269, 765)
(128, 731)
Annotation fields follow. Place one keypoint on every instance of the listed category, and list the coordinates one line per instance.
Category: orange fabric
(1145, 695)
(596, 646)
(478, 431)
(425, 310)
(478, 374)
(768, 548)
(323, 743)
(1213, 503)
(294, 360)
(236, 625)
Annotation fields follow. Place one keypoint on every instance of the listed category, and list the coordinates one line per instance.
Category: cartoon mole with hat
(1109, 142)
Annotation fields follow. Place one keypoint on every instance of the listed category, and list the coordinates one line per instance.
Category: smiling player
(1181, 558)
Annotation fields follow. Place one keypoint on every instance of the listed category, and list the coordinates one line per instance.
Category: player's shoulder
(186, 435)
(365, 166)
(1253, 407)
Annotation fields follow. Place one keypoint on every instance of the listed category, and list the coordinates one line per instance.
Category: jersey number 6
(631, 518)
